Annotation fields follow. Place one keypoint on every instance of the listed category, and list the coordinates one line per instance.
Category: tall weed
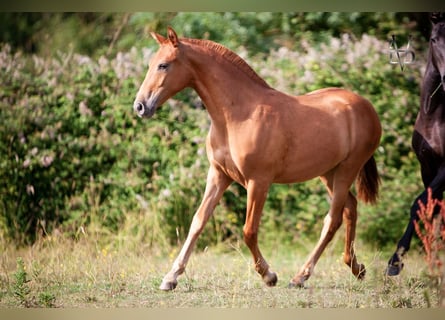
(431, 230)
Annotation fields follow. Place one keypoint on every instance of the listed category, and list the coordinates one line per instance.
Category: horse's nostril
(139, 107)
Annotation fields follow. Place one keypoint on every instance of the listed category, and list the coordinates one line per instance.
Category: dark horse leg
(433, 175)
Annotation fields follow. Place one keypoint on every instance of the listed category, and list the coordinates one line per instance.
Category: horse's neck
(432, 94)
(226, 90)
(430, 122)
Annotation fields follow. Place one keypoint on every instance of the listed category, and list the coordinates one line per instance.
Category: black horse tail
(368, 182)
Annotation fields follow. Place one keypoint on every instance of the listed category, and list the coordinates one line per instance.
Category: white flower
(47, 161)
(166, 193)
(84, 110)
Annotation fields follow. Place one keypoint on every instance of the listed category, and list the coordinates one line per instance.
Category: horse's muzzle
(143, 110)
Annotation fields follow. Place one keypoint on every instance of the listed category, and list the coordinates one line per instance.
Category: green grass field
(57, 272)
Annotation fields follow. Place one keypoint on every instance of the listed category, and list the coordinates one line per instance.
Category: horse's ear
(159, 39)
(172, 36)
(436, 17)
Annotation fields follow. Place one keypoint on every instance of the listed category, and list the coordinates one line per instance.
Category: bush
(60, 136)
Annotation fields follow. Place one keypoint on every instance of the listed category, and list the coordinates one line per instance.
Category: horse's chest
(224, 157)
(224, 160)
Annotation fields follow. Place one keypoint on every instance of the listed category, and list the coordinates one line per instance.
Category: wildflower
(166, 193)
(103, 63)
(84, 110)
(47, 161)
(30, 189)
(26, 163)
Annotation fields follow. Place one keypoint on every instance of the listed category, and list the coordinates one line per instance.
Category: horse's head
(437, 44)
(166, 75)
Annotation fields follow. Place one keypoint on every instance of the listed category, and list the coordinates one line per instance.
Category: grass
(57, 272)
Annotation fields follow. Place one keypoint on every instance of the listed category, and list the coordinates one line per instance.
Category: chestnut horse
(259, 136)
(428, 140)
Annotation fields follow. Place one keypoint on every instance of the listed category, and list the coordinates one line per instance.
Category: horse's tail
(368, 181)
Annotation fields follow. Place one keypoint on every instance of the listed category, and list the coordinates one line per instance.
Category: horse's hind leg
(350, 219)
(339, 191)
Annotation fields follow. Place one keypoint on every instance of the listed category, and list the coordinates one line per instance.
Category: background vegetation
(75, 160)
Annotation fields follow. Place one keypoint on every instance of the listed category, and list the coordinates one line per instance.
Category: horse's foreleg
(217, 183)
(350, 219)
(256, 196)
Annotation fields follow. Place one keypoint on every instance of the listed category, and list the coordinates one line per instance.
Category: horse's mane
(228, 55)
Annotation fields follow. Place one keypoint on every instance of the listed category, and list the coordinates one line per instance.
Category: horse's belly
(307, 168)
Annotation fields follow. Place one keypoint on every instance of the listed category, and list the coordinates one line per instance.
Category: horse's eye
(433, 40)
(163, 66)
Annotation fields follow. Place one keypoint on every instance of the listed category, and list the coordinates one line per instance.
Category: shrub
(60, 137)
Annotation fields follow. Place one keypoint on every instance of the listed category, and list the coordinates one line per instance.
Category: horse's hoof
(394, 269)
(361, 272)
(292, 284)
(168, 285)
(270, 279)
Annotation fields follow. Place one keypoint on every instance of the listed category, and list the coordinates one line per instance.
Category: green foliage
(94, 34)
(23, 293)
(47, 300)
(75, 158)
(53, 144)
(20, 286)
(48, 33)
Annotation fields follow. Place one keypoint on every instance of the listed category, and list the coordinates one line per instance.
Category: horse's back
(345, 96)
(342, 100)
(324, 90)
